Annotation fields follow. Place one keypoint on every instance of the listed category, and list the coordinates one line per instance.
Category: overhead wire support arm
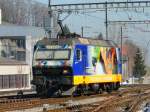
(100, 5)
(130, 22)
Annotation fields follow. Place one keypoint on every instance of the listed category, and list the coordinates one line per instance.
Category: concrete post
(0, 16)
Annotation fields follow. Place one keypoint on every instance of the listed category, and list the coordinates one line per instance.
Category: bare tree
(23, 12)
(100, 36)
(131, 52)
(39, 11)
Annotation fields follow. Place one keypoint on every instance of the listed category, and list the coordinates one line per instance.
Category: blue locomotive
(75, 66)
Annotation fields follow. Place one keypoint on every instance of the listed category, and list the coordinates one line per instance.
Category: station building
(16, 42)
(16, 52)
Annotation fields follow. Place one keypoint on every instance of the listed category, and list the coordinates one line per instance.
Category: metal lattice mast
(101, 6)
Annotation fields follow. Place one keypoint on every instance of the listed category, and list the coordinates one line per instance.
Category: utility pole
(121, 49)
(50, 9)
(50, 15)
(106, 18)
(121, 41)
(82, 31)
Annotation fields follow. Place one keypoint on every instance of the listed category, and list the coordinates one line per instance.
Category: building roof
(6, 61)
(10, 30)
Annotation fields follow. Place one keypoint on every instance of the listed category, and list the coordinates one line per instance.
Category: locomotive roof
(77, 40)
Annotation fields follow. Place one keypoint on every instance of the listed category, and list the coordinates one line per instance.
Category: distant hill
(23, 12)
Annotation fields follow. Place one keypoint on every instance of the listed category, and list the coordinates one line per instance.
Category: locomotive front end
(51, 68)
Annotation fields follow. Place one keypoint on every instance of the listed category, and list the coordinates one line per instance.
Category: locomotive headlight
(65, 71)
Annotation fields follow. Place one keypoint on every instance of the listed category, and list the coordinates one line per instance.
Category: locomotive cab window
(78, 55)
(53, 54)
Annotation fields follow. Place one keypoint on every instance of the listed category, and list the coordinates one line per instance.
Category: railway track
(126, 101)
(127, 98)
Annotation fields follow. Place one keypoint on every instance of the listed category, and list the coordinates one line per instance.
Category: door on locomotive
(79, 63)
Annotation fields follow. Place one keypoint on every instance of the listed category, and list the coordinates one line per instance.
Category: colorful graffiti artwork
(103, 60)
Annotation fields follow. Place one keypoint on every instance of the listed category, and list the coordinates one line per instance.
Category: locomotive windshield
(53, 54)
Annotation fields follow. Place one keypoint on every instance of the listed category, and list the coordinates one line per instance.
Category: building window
(3, 53)
(14, 81)
(21, 56)
(21, 43)
(12, 55)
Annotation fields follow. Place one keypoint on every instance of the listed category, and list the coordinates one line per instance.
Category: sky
(94, 20)
(93, 23)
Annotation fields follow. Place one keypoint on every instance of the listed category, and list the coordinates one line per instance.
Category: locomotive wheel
(59, 93)
(109, 88)
(100, 91)
(116, 86)
(41, 90)
(95, 88)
